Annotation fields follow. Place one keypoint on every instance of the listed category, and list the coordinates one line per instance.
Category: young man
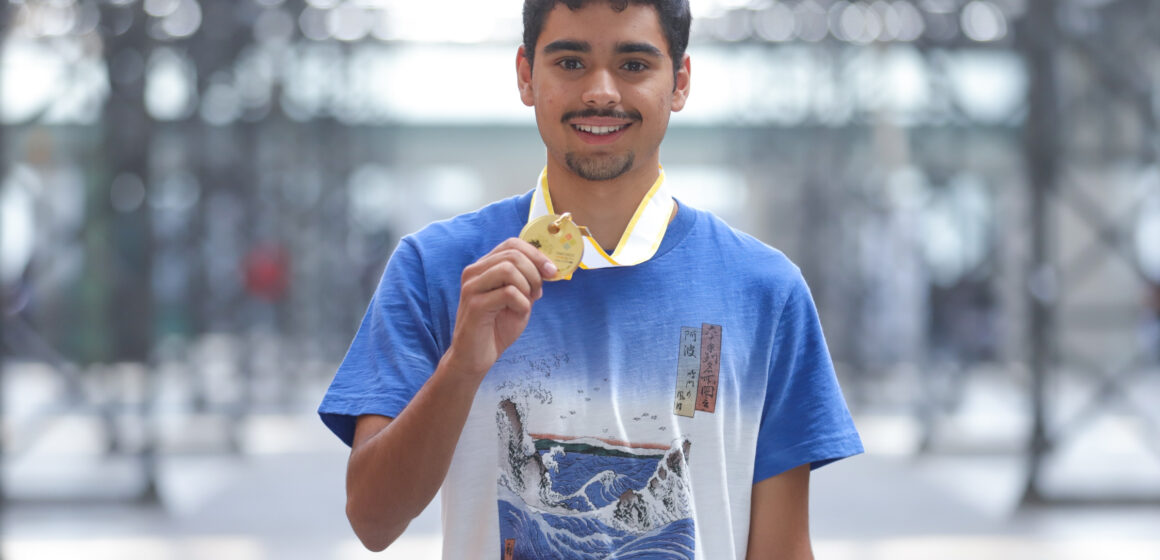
(668, 400)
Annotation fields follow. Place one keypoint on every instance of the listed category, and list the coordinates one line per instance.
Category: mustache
(609, 113)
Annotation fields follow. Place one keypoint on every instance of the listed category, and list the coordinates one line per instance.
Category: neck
(604, 207)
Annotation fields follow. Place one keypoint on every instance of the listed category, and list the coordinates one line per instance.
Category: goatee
(601, 168)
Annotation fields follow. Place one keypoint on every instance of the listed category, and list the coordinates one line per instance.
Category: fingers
(495, 302)
(543, 264)
(507, 297)
(514, 262)
(502, 270)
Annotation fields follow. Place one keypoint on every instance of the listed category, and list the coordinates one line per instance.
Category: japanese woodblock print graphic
(581, 497)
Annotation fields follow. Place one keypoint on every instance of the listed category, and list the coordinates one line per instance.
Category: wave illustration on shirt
(586, 498)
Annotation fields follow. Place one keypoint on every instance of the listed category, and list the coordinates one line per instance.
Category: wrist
(457, 365)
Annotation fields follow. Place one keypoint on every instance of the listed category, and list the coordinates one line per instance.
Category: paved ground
(280, 497)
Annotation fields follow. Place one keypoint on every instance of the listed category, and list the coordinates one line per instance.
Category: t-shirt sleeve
(393, 353)
(804, 418)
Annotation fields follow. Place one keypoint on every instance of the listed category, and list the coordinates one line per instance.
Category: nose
(600, 89)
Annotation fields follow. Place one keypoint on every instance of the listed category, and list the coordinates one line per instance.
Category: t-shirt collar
(641, 238)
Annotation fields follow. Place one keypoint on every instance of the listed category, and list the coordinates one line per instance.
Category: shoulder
(742, 256)
(464, 238)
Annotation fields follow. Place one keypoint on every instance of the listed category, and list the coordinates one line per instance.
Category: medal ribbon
(641, 238)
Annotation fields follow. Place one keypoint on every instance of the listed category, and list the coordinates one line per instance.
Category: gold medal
(560, 239)
(641, 238)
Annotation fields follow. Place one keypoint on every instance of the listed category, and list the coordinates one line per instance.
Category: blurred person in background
(667, 399)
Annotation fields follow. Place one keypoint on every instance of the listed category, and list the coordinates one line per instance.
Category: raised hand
(495, 303)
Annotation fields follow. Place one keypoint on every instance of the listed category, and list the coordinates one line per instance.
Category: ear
(681, 91)
(524, 77)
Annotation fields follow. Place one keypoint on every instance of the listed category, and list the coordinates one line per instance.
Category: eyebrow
(641, 48)
(584, 47)
(567, 45)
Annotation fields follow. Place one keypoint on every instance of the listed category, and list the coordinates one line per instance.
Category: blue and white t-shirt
(636, 411)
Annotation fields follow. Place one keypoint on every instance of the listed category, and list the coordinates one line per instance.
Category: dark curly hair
(675, 19)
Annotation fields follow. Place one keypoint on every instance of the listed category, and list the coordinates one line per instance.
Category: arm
(397, 465)
(779, 527)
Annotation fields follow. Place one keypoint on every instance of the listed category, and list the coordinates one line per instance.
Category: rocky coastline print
(588, 498)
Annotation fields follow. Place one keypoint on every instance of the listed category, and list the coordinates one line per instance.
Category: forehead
(598, 24)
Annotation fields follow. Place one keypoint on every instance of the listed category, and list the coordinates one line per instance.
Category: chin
(604, 169)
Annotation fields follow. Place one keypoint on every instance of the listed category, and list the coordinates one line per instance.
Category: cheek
(658, 99)
(546, 100)
(543, 112)
(662, 106)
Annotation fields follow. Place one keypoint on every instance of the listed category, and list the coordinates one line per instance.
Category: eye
(635, 66)
(570, 64)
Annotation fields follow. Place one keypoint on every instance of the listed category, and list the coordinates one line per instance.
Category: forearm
(779, 527)
(397, 466)
(395, 473)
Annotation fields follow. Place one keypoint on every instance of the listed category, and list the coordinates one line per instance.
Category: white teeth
(600, 130)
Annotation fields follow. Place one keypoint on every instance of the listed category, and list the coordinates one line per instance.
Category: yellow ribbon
(641, 238)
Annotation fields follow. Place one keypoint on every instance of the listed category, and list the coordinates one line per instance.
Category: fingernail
(549, 269)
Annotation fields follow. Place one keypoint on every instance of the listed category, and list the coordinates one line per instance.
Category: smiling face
(603, 87)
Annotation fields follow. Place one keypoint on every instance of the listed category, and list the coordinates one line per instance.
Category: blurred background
(197, 198)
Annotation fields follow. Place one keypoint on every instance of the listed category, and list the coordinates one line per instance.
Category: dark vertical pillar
(222, 156)
(3, 346)
(1037, 35)
(123, 199)
(126, 134)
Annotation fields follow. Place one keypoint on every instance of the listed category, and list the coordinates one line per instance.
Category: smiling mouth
(600, 130)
